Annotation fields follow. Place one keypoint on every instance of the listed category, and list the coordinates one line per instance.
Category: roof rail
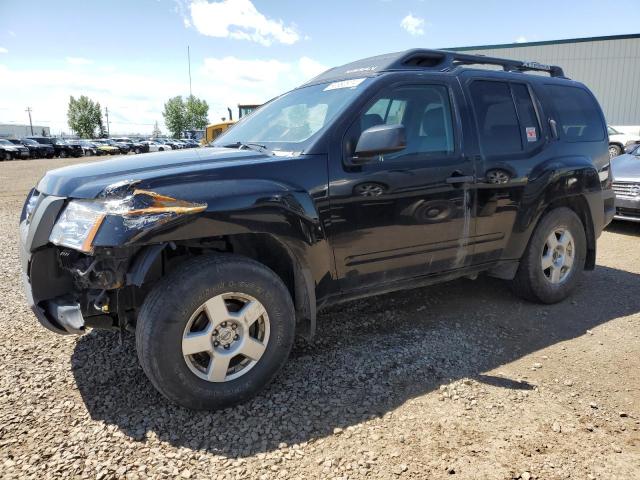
(426, 59)
(445, 60)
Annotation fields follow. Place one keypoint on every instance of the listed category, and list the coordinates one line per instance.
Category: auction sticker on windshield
(344, 84)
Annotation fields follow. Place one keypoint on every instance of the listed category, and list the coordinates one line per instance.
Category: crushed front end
(83, 260)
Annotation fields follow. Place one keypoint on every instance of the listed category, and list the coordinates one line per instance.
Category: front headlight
(81, 220)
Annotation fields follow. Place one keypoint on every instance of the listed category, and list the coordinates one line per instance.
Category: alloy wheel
(558, 255)
(226, 337)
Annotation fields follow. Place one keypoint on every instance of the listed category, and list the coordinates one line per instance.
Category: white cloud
(3, 50)
(239, 19)
(136, 98)
(413, 25)
(256, 81)
(521, 39)
(11, 33)
(78, 61)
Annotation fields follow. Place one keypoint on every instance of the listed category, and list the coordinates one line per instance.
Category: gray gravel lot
(460, 380)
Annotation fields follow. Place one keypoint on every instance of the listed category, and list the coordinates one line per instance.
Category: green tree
(175, 117)
(197, 112)
(84, 116)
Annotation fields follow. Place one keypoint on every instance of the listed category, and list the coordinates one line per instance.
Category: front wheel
(215, 332)
(554, 258)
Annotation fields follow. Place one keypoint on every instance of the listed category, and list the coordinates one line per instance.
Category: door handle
(455, 179)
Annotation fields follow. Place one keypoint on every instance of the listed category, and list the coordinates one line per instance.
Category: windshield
(5, 142)
(26, 141)
(613, 131)
(291, 121)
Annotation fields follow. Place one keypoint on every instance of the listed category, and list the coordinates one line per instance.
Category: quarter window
(578, 114)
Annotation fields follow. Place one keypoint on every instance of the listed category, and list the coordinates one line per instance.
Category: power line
(189, 61)
(30, 122)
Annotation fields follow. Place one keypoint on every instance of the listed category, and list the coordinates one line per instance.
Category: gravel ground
(461, 380)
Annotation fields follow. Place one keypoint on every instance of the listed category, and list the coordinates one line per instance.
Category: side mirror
(378, 140)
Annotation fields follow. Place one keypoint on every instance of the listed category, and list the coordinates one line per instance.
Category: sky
(131, 55)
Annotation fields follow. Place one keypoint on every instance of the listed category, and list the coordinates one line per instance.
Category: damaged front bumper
(49, 305)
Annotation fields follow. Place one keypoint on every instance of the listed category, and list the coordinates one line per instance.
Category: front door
(409, 213)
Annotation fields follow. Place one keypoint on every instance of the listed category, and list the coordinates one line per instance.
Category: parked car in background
(191, 142)
(165, 143)
(135, 146)
(36, 150)
(89, 148)
(618, 141)
(62, 148)
(104, 148)
(156, 146)
(625, 170)
(10, 151)
(123, 147)
(632, 148)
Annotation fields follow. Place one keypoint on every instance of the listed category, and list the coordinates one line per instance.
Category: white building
(14, 130)
(609, 66)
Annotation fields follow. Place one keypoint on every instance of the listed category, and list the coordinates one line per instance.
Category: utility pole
(106, 109)
(189, 61)
(30, 122)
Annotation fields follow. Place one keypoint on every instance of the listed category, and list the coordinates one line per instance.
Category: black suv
(36, 150)
(392, 172)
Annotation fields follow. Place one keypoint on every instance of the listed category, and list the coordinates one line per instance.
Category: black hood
(87, 180)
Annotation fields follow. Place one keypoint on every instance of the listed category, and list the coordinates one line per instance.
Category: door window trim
(456, 122)
(527, 150)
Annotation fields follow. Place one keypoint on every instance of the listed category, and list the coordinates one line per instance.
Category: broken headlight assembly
(81, 220)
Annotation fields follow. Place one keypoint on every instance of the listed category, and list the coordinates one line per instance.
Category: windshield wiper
(248, 145)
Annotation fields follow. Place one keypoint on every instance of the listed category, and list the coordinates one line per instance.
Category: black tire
(137, 151)
(531, 282)
(614, 150)
(168, 308)
(7, 156)
(161, 149)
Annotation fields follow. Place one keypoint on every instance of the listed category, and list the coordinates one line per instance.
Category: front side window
(578, 114)
(423, 110)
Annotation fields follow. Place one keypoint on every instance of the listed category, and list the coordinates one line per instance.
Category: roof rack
(427, 59)
(445, 60)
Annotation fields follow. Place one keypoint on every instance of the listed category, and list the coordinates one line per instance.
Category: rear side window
(578, 114)
(507, 119)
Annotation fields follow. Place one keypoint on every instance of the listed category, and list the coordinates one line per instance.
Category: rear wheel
(6, 156)
(554, 259)
(215, 332)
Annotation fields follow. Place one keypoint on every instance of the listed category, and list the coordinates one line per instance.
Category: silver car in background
(626, 184)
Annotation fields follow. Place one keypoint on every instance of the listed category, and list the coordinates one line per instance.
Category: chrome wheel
(226, 337)
(558, 255)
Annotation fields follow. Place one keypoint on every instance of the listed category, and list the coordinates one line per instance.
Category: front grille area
(626, 189)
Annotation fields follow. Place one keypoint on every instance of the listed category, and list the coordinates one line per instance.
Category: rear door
(511, 142)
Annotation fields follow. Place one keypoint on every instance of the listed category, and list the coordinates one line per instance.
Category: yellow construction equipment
(214, 130)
